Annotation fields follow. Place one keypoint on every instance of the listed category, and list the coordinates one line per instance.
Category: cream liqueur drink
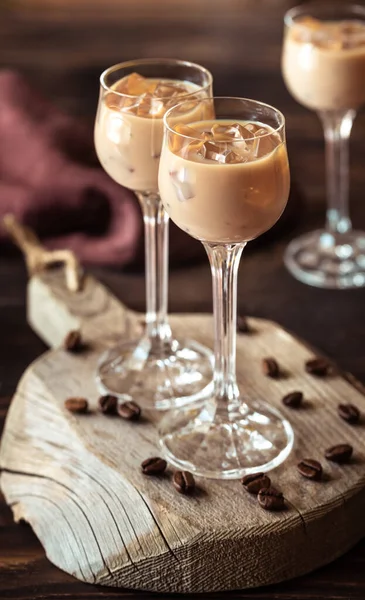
(129, 127)
(323, 63)
(224, 181)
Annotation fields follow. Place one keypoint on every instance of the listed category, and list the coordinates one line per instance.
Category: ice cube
(136, 84)
(232, 157)
(219, 129)
(305, 27)
(187, 106)
(118, 130)
(157, 108)
(149, 106)
(113, 101)
(120, 103)
(183, 140)
(144, 105)
(196, 147)
(130, 104)
(224, 133)
(151, 87)
(221, 153)
(310, 23)
(353, 34)
(250, 128)
(183, 187)
(167, 90)
(213, 151)
(171, 100)
(329, 38)
(255, 148)
(240, 132)
(189, 131)
(121, 86)
(355, 40)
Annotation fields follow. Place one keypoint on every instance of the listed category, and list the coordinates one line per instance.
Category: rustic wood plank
(53, 310)
(117, 527)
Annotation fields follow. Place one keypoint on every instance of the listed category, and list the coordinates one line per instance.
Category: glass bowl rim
(300, 9)
(153, 61)
(278, 129)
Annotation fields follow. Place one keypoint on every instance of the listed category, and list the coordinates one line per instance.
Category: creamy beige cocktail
(157, 370)
(224, 181)
(129, 127)
(323, 63)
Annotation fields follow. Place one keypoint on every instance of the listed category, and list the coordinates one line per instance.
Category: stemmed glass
(236, 165)
(323, 64)
(157, 370)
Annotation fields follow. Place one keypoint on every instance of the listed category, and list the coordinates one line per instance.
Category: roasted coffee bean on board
(184, 482)
(242, 324)
(318, 366)
(154, 466)
(311, 469)
(270, 367)
(255, 482)
(340, 453)
(129, 411)
(73, 341)
(349, 413)
(271, 499)
(293, 399)
(108, 404)
(77, 405)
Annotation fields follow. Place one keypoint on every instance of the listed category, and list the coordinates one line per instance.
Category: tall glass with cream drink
(225, 180)
(323, 65)
(156, 370)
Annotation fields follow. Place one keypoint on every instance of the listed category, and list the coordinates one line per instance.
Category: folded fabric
(51, 181)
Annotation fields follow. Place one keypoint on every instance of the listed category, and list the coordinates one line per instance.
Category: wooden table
(62, 51)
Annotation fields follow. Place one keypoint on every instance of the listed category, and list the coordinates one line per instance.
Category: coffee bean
(129, 411)
(184, 482)
(73, 342)
(108, 404)
(77, 405)
(256, 482)
(242, 324)
(349, 413)
(293, 400)
(271, 499)
(154, 466)
(318, 366)
(340, 453)
(270, 367)
(311, 469)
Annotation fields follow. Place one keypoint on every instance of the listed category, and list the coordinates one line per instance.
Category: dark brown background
(62, 46)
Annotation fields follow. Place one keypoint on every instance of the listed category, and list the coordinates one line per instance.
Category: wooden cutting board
(77, 479)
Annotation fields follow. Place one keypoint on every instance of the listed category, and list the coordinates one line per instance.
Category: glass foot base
(156, 378)
(247, 439)
(321, 260)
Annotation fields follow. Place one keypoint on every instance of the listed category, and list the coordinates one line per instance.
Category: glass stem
(337, 129)
(224, 261)
(156, 224)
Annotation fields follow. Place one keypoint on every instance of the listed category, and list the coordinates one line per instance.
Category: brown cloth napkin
(50, 179)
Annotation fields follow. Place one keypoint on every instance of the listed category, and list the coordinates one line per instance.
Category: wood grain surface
(25, 572)
(77, 479)
(62, 47)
